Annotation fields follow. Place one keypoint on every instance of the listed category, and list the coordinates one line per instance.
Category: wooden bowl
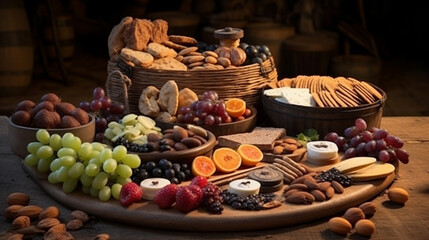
(242, 126)
(184, 156)
(20, 137)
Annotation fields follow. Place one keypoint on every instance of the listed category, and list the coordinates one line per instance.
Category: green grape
(55, 142)
(76, 170)
(44, 164)
(124, 171)
(43, 136)
(32, 147)
(68, 161)
(69, 185)
(92, 170)
(97, 146)
(95, 161)
(86, 180)
(132, 160)
(113, 176)
(105, 154)
(55, 165)
(122, 180)
(31, 160)
(85, 189)
(109, 166)
(85, 151)
(65, 151)
(104, 194)
(52, 178)
(66, 139)
(62, 173)
(75, 143)
(116, 189)
(100, 180)
(94, 154)
(93, 192)
(119, 152)
(45, 152)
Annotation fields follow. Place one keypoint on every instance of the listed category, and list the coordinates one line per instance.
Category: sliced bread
(262, 137)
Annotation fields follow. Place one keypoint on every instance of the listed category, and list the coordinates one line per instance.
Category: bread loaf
(262, 137)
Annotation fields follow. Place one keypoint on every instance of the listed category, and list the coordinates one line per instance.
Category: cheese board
(148, 214)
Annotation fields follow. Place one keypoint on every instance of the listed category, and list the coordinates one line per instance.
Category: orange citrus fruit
(203, 166)
(226, 159)
(235, 107)
(250, 154)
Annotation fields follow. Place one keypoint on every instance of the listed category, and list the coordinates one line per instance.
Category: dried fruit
(18, 198)
(55, 235)
(300, 197)
(21, 118)
(166, 197)
(51, 97)
(11, 212)
(339, 225)
(25, 105)
(203, 166)
(74, 224)
(80, 115)
(69, 122)
(64, 108)
(398, 195)
(365, 227)
(46, 119)
(47, 223)
(50, 212)
(32, 211)
(15, 236)
(21, 222)
(250, 154)
(81, 215)
(44, 105)
(368, 208)
(130, 193)
(226, 160)
(179, 133)
(188, 198)
(353, 215)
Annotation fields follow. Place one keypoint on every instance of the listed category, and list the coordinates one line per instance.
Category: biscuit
(317, 99)
(148, 104)
(183, 40)
(331, 99)
(168, 99)
(159, 32)
(116, 42)
(168, 63)
(173, 45)
(192, 59)
(186, 97)
(187, 50)
(160, 51)
(138, 34)
(195, 64)
(139, 58)
(373, 91)
(210, 53)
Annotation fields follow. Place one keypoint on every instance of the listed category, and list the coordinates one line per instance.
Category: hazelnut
(179, 133)
(74, 224)
(64, 108)
(21, 222)
(398, 195)
(44, 105)
(368, 208)
(51, 97)
(365, 227)
(339, 225)
(46, 119)
(353, 215)
(21, 118)
(69, 122)
(25, 105)
(80, 115)
(81, 215)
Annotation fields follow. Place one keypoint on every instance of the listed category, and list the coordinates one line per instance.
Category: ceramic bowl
(20, 136)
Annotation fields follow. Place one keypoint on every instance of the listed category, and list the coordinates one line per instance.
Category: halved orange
(203, 166)
(226, 159)
(235, 107)
(250, 154)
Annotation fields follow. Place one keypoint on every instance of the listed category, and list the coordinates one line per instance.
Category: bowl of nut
(56, 116)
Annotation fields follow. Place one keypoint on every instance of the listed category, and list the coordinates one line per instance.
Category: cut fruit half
(235, 107)
(226, 160)
(250, 154)
(203, 166)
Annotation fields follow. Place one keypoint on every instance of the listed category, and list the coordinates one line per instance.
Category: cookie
(159, 32)
(195, 64)
(346, 99)
(317, 99)
(138, 34)
(160, 51)
(115, 42)
(331, 99)
(210, 59)
(168, 63)
(173, 45)
(371, 89)
(183, 40)
(187, 50)
(139, 58)
(168, 99)
(192, 59)
(210, 53)
(335, 97)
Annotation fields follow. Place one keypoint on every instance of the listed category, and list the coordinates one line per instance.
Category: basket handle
(267, 67)
(121, 82)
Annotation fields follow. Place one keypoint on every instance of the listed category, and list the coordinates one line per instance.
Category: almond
(80, 115)
(368, 209)
(318, 195)
(74, 224)
(339, 225)
(353, 215)
(50, 212)
(337, 187)
(365, 227)
(16, 236)
(329, 193)
(18, 198)
(323, 186)
(300, 197)
(58, 228)
(81, 215)
(311, 184)
(398, 195)
(47, 223)
(32, 211)
(11, 212)
(21, 222)
(55, 235)
(179, 133)
(102, 236)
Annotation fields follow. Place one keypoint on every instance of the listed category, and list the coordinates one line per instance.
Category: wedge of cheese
(374, 171)
(353, 164)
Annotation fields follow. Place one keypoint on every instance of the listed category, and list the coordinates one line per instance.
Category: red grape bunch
(104, 111)
(375, 142)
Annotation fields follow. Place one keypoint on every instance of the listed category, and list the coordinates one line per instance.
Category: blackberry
(212, 199)
(334, 174)
(252, 202)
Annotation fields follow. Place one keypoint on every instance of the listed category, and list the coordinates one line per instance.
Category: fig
(46, 119)
(64, 108)
(68, 121)
(80, 115)
(51, 97)
(26, 105)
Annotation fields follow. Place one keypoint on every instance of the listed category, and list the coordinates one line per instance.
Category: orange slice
(235, 107)
(203, 166)
(250, 154)
(226, 159)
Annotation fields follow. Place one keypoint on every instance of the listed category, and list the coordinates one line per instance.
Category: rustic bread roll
(159, 33)
(186, 97)
(139, 58)
(169, 97)
(116, 41)
(138, 34)
(160, 51)
(148, 104)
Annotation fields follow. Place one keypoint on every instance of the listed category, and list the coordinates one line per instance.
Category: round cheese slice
(320, 151)
(151, 186)
(244, 187)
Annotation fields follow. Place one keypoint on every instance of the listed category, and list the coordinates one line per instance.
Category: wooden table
(392, 221)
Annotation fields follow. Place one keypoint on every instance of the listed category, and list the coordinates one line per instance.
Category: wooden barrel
(361, 67)
(66, 37)
(16, 48)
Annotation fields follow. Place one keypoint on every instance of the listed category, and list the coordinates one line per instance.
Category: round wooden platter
(147, 213)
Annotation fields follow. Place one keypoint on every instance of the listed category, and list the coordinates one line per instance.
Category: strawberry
(188, 198)
(200, 181)
(166, 197)
(130, 192)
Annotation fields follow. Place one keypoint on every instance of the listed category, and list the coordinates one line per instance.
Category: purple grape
(332, 136)
(185, 109)
(351, 132)
(105, 102)
(380, 145)
(383, 156)
(345, 146)
(373, 129)
(354, 141)
(393, 141)
(113, 117)
(189, 117)
(392, 154)
(366, 136)
(218, 120)
(98, 93)
(360, 149)
(350, 152)
(200, 113)
(100, 124)
(399, 143)
(209, 120)
(181, 118)
(210, 95)
(85, 106)
(199, 105)
(370, 146)
(402, 155)
(99, 137)
(340, 141)
(380, 134)
(207, 106)
(117, 108)
(95, 105)
(360, 124)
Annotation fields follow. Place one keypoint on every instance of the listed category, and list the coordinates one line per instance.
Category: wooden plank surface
(392, 221)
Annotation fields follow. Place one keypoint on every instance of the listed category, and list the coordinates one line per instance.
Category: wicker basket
(125, 84)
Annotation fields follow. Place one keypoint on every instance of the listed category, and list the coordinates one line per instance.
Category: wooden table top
(392, 221)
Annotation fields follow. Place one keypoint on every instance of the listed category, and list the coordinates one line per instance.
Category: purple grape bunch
(374, 142)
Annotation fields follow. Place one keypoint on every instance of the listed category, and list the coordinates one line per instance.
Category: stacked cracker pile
(333, 92)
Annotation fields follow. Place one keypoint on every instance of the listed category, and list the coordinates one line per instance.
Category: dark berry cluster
(334, 174)
(252, 202)
(162, 145)
(212, 199)
(174, 172)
